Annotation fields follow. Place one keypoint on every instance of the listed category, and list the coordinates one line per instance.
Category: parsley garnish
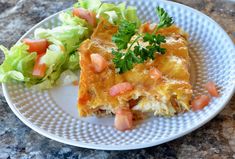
(155, 41)
(125, 61)
(125, 31)
(164, 19)
(126, 56)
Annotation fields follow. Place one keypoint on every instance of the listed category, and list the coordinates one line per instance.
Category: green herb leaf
(151, 38)
(125, 61)
(164, 19)
(125, 32)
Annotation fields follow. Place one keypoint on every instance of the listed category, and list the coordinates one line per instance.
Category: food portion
(130, 70)
(127, 68)
(159, 83)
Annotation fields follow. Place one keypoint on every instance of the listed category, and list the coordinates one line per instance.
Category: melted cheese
(154, 95)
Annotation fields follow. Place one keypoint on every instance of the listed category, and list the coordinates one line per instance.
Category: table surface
(215, 139)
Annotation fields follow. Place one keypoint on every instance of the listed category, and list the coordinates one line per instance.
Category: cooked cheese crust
(169, 95)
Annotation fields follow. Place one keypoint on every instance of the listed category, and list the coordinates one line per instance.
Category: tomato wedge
(90, 17)
(155, 73)
(98, 62)
(40, 46)
(120, 88)
(211, 88)
(200, 102)
(123, 119)
(39, 69)
(84, 99)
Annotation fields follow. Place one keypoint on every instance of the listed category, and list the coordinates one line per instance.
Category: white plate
(54, 114)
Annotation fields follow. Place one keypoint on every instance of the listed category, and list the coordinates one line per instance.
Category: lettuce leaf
(62, 53)
(68, 19)
(131, 15)
(115, 13)
(91, 5)
(53, 56)
(112, 12)
(73, 61)
(10, 75)
(18, 63)
(70, 36)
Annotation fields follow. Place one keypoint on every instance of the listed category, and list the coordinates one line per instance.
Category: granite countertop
(215, 140)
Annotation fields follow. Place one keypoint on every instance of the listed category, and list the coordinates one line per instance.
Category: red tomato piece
(40, 46)
(123, 119)
(90, 17)
(211, 88)
(84, 99)
(200, 102)
(98, 62)
(39, 69)
(120, 88)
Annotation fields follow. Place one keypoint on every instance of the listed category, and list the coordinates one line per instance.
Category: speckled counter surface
(215, 140)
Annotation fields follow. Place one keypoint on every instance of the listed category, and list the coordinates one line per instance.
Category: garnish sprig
(164, 19)
(125, 56)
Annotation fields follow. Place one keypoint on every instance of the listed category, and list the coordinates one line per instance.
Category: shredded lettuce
(111, 16)
(73, 61)
(112, 12)
(18, 63)
(115, 13)
(53, 55)
(131, 15)
(46, 84)
(91, 5)
(69, 35)
(68, 19)
(61, 57)
(8, 76)
(61, 54)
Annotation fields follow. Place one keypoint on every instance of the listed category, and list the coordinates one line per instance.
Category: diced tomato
(120, 88)
(39, 69)
(211, 88)
(83, 99)
(155, 73)
(123, 119)
(40, 46)
(200, 102)
(98, 62)
(90, 17)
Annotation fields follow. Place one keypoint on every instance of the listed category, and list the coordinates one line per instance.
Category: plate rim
(57, 138)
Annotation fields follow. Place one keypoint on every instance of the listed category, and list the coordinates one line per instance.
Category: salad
(51, 58)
